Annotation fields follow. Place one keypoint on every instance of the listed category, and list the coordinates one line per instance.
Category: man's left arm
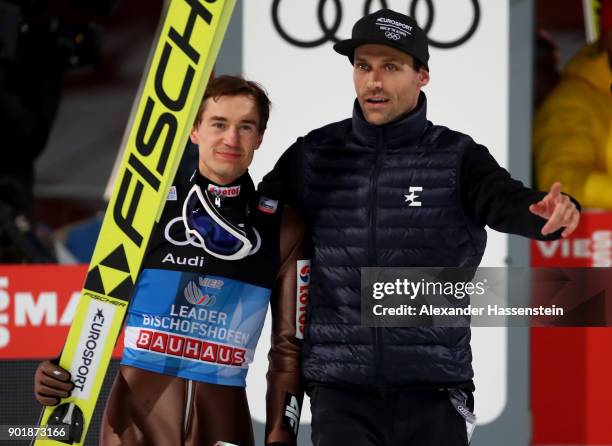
(490, 196)
(285, 392)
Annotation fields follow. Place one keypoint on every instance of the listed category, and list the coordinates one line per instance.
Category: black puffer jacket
(405, 194)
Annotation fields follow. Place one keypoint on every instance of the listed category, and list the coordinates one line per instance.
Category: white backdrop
(311, 87)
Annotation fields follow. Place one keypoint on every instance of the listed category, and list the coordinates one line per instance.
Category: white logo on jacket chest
(411, 197)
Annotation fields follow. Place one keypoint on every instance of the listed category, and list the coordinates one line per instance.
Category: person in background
(572, 130)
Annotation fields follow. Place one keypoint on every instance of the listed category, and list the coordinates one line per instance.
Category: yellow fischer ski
(186, 50)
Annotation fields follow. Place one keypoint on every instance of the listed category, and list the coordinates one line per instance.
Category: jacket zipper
(372, 258)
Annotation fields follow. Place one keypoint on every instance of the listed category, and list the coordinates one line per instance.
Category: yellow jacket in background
(572, 131)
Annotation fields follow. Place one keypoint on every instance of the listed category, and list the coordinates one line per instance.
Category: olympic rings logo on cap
(392, 35)
(330, 32)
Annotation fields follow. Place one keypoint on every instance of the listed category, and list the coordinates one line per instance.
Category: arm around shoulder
(285, 392)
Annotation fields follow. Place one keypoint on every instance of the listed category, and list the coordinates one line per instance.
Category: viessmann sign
(589, 246)
(37, 305)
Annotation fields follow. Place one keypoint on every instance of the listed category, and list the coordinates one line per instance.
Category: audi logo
(329, 32)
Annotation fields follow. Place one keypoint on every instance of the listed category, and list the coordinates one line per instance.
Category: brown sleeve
(285, 393)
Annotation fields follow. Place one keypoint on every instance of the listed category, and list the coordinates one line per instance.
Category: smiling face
(386, 83)
(227, 137)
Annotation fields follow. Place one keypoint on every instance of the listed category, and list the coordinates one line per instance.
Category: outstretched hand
(559, 210)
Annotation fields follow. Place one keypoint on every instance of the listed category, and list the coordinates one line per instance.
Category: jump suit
(193, 325)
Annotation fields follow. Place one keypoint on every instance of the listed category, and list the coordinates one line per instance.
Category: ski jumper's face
(227, 137)
(386, 83)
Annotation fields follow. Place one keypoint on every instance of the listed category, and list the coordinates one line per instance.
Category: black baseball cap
(387, 27)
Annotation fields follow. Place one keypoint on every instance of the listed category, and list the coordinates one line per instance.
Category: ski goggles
(219, 237)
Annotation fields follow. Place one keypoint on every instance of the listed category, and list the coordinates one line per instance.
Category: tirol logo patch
(412, 198)
(393, 29)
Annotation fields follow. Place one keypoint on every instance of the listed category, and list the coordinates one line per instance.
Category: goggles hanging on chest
(218, 236)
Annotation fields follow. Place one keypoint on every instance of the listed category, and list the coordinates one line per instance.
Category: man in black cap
(389, 188)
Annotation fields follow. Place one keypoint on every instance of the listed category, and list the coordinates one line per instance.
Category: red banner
(37, 305)
(571, 367)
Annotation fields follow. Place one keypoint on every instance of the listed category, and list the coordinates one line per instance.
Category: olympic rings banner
(287, 46)
(329, 32)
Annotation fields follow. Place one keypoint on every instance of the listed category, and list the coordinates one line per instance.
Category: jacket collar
(236, 193)
(394, 134)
